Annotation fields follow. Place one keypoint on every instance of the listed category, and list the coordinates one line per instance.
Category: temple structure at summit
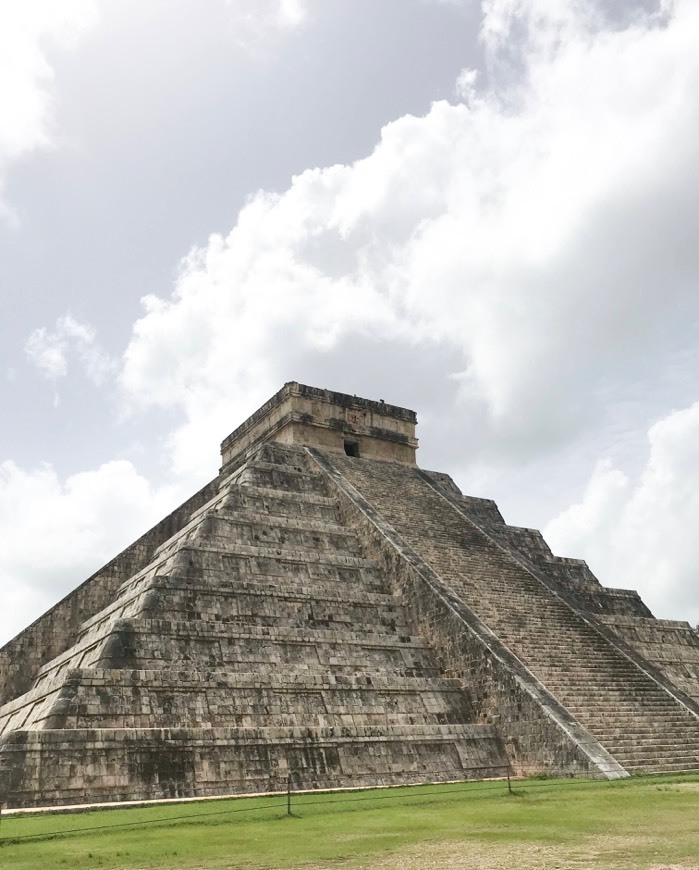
(327, 612)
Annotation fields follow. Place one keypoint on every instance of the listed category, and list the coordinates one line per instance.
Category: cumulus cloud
(56, 533)
(26, 75)
(543, 229)
(539, 237)
(641, 532)
(50, 350)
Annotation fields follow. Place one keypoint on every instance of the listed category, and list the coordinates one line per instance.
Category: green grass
(631, 823)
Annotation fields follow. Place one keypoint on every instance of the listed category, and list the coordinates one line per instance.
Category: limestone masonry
(327, 611)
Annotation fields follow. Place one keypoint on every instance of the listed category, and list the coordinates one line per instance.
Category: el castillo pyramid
(326, 610)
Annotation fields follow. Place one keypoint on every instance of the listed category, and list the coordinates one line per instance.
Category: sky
(486, 212)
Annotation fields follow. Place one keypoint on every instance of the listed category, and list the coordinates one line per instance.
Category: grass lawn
(643, 822)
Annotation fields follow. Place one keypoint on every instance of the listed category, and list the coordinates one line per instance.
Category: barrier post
(288, 794)
(509, 783)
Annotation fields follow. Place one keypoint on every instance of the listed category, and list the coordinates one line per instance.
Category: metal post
(509, 784)
(288, 794)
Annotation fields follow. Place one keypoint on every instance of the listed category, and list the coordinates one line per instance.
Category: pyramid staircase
(619, 698)
(259, 643)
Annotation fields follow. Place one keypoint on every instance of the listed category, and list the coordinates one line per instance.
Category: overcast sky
(485, 212)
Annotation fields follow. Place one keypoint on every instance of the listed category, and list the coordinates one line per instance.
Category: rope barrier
(312, 797)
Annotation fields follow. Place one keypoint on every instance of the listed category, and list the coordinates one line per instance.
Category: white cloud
(641, 533)
(545, 229)
(258, 24)
(588, 526)
(55, 534)
(50, 350)
(26, 75)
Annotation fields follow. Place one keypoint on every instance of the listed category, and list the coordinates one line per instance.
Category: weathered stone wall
(609, 601)
(76, 767)
(572, 575)
(55, 631)
(351, 622)
(616, 694)
(534, 741)
(299, 414)
(539, 734)
(259, 640)
(98, 698)
(672, 646)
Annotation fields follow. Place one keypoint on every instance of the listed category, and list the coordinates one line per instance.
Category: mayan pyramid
(326, 610)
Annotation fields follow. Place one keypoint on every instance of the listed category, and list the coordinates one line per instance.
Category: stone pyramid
(327, 611)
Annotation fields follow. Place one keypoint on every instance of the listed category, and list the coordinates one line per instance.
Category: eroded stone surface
(259, 642)
(344, 621)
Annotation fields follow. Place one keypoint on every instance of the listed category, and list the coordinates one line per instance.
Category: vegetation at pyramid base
(638, 822)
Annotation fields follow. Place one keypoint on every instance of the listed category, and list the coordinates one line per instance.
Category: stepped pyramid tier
(326, 611)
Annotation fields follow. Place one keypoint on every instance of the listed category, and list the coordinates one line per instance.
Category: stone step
(617, 727)
(285, 454)
(132, 645)
(237, 695)
(105, 702)
(270, 475)
(258, 561)
(657, 755)
(335, 592)
(193, 559)
(340, 636)
(289, 504)
(275, 733)
(560, 647)
(187, 677)
(658, 709)
(531, 643)
(662, 767)
(206, 631)
(268, 608)
(565, 673)
(657, 743)
(242, 530)
(296, 465)
(192, 564)
(679, 731)
(300, 522)
(653, 718)
(612, 694)
(632, 696)
(644, 707)
(325, 600)
(273, 552)
(663, 755)
(626, 674)
(638, 728)
(249, 493)
(533, 649)
(284, 714)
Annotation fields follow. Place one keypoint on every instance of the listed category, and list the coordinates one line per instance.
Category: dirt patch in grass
(602, 852)
(474, 856)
